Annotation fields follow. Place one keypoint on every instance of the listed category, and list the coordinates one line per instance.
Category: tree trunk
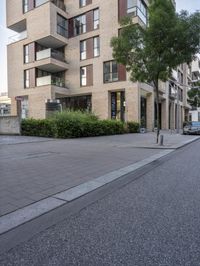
(158, 113)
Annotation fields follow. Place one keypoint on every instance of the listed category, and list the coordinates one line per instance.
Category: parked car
(191, 128)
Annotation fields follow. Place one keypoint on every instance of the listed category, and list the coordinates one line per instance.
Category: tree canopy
(194, 95)
(151, 52)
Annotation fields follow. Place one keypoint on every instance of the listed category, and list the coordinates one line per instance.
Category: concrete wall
(10, 125)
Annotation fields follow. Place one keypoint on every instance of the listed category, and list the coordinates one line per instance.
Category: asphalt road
(153, 219)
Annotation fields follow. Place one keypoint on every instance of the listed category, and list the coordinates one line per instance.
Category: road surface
(151, 217)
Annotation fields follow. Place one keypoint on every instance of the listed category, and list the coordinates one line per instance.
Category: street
(150, 217)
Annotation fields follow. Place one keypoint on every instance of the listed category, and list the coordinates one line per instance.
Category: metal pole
(177, 112)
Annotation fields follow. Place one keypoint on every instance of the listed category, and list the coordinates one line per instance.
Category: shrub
(40, 128)
(133, 127)
(75, 125)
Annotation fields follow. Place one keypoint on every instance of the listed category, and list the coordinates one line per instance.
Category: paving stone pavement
(32, 169)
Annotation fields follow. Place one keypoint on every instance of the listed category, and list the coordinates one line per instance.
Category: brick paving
(32, 169)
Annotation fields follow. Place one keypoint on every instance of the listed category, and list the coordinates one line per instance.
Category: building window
(80, 25)
(118, 105)
(83, 103)
(26, 53)
(25, 6)
(83, 3)
(27, 78)
(28, 5)
(62, 28)
(29, 53)
(86, 76)
(110, 70)
(96, 19)
(83, 76)
(96, 46)
(83, 50)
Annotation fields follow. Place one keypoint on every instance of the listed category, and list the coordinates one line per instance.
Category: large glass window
(83, 50)
(62, 27)
(110, 71)
(96, 46)
(83, 73)
(80, 25)
(83, 103)
(96, 19)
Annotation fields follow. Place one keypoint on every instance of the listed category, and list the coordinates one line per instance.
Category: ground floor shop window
(118, 105)
(83, 103)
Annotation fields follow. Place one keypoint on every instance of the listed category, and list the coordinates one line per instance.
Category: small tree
(194, 96)
(151, 53)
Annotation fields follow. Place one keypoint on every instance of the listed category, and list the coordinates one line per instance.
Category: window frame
(63, 28)
(96, 21)
(83, 77)
(110, 73)
(84, 51)
(96, 48)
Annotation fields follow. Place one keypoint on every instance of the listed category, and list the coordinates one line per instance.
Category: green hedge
(133, 127)
(75, 125)
(40, 128)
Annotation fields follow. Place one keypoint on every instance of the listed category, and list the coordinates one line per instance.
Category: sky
(190, 5)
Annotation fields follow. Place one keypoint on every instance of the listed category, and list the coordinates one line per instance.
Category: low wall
(9, 125)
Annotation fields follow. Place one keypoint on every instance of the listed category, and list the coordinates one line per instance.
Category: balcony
(135, 11)
(50, 80)
(17, 37)
(51, 60)
(50, 53)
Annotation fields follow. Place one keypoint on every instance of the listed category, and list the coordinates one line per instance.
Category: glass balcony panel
(57, 55)
(42, 81)
(43, 54)
(141, 16)
(18, 37)
(40, 2)
(47, 53)
(50, 80)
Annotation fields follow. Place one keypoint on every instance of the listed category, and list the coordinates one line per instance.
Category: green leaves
(169, 40)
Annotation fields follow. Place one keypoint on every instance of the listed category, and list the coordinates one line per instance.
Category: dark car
(191, 128)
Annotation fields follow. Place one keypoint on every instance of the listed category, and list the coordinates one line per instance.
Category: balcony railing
(50, 53)
(18, 37)
(51, 80)
(137, 12)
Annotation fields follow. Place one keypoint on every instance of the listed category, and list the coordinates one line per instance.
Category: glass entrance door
(117, 105)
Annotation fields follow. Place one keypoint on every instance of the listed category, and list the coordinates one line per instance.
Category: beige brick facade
(39, 25)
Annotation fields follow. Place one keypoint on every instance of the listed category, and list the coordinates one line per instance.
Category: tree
(194, 95)
(151, 53)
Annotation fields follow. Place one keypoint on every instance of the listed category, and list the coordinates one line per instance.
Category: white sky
(190, 5)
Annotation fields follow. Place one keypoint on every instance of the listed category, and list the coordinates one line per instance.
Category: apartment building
(62, 54)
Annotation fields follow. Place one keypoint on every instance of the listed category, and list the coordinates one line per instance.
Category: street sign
(19, 98)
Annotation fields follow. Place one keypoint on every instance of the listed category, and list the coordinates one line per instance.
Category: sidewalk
(32, 169)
